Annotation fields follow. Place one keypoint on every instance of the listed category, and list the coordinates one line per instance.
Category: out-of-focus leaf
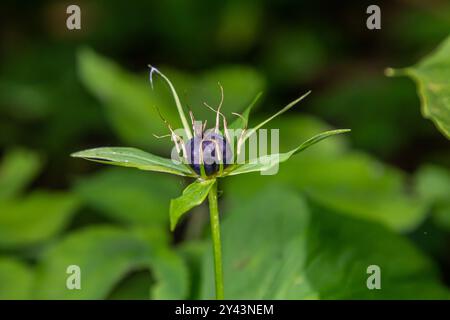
(133, 287)
(130, 196)
(135, 158)
(276, 246)
(352, 183)
(192, 196)
(35, 218)
(130, 101)
(105, 255)
(19, 167)
(16, 279)
(433, 185)
(192, 253)
(433, 85)
(268, 162)
(441, 215)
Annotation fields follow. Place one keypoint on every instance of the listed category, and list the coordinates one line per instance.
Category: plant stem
(217, 245)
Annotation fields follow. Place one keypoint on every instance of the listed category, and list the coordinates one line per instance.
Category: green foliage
(431, 76)
(105, 255)
(129, 196)
(267, 162)
(433, 185)
(18, 168)
(353, 183)
(276, 245)
(310, 231)
(192, 196)
(135, 158)
(16, 279)
(35, 218)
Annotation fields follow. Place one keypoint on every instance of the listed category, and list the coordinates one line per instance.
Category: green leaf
(135, 158)
(268, 162)
(353, 183)
(432, 183)
(192, 253)
(432, 78)
(133, 287)
(129, 196)
(192, 196)
(105, 255)
(278, 246)
(286, 108)
(240, 123)
(18, 168)
(183, 119)
(35, 218)
(16, 279)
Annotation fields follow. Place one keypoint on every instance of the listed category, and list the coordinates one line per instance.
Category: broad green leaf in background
(432, 183)
(129, 196)
(350, 182)
(130, 102)
(18, 168)
(267, 162)
(192, 253)
(278, 113)
(432, 76)
(35, 218)
(132, 287)
(135, 158)
(16, 279)
(105, 255)
(192, 196)
(278, 246)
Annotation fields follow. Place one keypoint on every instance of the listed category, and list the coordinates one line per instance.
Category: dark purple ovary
(216, 149)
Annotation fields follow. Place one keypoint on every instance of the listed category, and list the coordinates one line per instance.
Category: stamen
(174, 137)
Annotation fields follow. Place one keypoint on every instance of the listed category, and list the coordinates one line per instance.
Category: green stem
(217, 245)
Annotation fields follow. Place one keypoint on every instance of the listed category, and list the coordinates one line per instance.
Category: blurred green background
(379, 195)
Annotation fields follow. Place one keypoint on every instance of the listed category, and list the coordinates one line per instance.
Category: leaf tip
(392, 72)
(76, 154)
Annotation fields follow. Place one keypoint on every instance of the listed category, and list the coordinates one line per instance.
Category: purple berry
(216, 150)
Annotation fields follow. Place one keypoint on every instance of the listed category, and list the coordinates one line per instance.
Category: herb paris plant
(206, 156)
